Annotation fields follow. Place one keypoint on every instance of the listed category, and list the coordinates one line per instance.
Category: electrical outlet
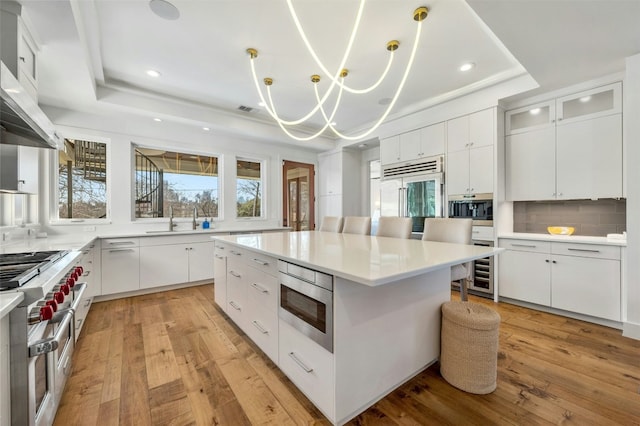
(88, 228)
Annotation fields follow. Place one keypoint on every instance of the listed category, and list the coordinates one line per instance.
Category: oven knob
(58, 296)
(71, 282)
(52, 305)
(46, 313)
(75, 275)
(64, 288)
(79, 270)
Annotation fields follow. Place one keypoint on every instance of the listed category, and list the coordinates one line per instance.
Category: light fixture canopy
(164, 9)
(337, 79)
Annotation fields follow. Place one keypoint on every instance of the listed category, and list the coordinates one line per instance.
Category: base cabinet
(120, 265)
(579, 278)
(220, 275)
(5, 373)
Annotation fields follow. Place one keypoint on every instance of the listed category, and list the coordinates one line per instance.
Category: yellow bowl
(561, 230)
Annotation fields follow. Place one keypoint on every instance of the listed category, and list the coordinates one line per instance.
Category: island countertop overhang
(364, 259)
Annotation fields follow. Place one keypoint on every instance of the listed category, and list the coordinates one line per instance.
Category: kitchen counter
(79, 240)
(580, 239)
(8, 301)
(364, 259)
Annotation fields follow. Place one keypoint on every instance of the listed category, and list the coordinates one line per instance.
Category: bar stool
(395, 227)
(446, 230)
(357, 225)
(331, 224)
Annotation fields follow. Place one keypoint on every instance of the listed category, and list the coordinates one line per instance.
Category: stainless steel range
(41, 329)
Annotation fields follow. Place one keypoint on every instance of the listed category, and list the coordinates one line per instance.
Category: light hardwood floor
(175, 358)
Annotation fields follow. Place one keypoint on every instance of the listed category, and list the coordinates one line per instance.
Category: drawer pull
(219, 257)
(260, 288)
(121, 243)
(259, 327)
(261, 262)
(120, 250)
(523, 245)
(235, 274)
(584, 250)
(237, 253)
(300, 363)
(234, 306)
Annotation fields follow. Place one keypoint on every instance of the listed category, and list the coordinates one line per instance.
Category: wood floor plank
(176, 358)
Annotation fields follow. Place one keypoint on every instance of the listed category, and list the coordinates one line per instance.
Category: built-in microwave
(478, 207)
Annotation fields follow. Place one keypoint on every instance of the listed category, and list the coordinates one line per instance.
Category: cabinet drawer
(236, 297)
(262, 289)
(262, 262)
(483, 233)
(526, 245)
(586, 250)
(262, 328)
(110, 243)
(309, 366)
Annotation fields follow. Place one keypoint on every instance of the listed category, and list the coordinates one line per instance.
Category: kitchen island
(387, 295)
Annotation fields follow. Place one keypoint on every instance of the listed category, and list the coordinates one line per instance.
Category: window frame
(263, 190)
(54, 201)
(132, 196)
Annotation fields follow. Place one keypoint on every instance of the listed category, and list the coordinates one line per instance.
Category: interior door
(298, 195)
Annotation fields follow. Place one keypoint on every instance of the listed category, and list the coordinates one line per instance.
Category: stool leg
(463, 290)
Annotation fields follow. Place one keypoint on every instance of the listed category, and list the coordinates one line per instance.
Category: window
(249, 188)
(182, 181)
(82, 180)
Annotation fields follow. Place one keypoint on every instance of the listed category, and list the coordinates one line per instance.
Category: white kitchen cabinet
(426, 142)
(19, 168)
(237, 291)
(167, 260)
(19, 50)
(220, 274)
(309, 366)
(570, 149)
(93, 286)
(470, 154)
(574, 277)
(120, 265)
(5, 372)
(339, 183)
(330, 172)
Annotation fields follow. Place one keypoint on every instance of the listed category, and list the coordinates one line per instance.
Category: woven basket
(469, 346)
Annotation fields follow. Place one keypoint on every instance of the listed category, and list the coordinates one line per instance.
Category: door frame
(287, 165)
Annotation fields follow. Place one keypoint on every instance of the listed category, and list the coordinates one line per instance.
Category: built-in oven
(478, 207)
(306, 302)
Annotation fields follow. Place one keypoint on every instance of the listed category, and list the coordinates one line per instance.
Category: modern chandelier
(337, 79)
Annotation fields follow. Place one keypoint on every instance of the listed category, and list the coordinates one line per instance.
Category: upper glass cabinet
(529, 118)
(589, 104)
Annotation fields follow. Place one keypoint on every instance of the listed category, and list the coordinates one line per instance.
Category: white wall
(121, 131)
(631, 131)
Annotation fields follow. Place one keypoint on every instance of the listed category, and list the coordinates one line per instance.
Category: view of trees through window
(165, 179)
(82, 180)
(249, 188)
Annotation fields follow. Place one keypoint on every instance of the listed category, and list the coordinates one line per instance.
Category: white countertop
(581, 239)
(361, 258)
(8, 301)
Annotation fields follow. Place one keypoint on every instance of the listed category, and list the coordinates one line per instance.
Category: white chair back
(331, 224)
(394, 227)
(357, 225)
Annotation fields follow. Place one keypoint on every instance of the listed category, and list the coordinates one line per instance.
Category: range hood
(22, 122)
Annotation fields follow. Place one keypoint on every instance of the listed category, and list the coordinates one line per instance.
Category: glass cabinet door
(532, 117)
(589, 104)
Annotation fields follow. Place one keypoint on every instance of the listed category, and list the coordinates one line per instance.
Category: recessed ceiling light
(535, 111)
(333, 123)
(261, 104)
(585, 99)
(206, 129)
(153, 73)
(157, 119)
(164, 9)
(467, 66)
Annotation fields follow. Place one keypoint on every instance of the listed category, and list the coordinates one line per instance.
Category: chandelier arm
(255, 80)
(335, 107)
(395, 96)
(285, 130)
(334, 79)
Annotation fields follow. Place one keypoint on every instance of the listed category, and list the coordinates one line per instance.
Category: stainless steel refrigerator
(413, 190)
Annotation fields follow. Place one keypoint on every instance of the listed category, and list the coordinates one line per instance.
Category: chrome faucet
(171, 224)
(194, 224)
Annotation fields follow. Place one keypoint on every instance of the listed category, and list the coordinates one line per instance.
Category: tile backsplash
(588, 217)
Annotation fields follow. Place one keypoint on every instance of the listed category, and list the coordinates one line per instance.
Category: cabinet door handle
(300, 363)
(523, 245)
(260, 288)
(219, 257)
(237, 253)
(553, 261)
(261, 262)
(584, 250)
(235, 274)
(121, 243)
(234, 306)
(546, 260)
(259, 327)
